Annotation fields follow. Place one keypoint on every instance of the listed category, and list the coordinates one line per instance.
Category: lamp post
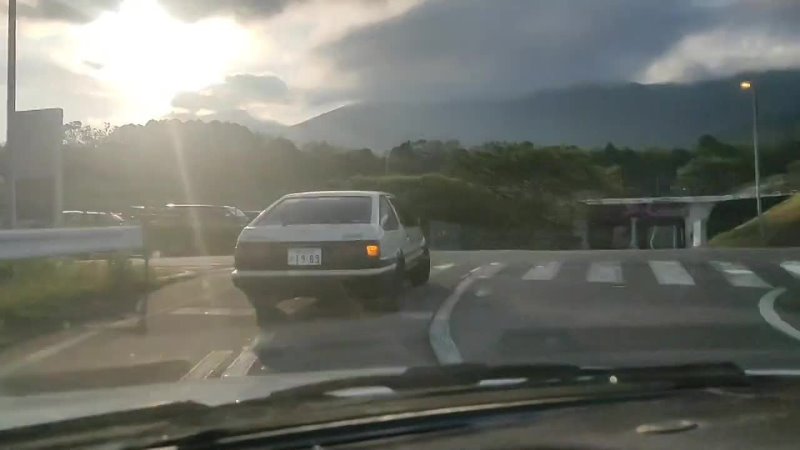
(11, 107)
(750, 86)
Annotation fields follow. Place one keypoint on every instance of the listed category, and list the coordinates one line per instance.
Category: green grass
(42, 294)
(781, 228)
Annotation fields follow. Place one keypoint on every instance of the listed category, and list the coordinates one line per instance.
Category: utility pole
(11, 108)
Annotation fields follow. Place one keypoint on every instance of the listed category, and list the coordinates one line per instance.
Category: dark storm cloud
(192, 10)
(73, 11)
(457, 48)
(234, 92)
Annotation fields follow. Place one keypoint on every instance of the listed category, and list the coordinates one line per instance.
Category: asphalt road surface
(591, 308)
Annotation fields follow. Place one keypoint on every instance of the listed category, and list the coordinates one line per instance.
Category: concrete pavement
(598, 308)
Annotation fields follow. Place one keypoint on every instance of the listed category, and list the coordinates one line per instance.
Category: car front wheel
(421, 273)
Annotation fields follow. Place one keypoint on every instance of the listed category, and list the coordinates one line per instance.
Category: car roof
(336, 194)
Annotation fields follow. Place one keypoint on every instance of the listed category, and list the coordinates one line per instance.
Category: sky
(129, 61)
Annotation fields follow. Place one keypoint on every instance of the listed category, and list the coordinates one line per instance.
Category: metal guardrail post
(141, 307)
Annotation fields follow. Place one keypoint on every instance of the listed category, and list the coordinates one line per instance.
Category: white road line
(443, 267)
(739, 275)
(793, 267)
(766, 306)
(671, 272)
(207, 365)
(543, 272)
(204, 311)
(605, 272)
(485, 272)
(439, 335)
(241, 366)
(46, 352)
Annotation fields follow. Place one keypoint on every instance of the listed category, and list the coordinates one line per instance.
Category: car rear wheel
(421, 273)
(267, 312)
(389, 294)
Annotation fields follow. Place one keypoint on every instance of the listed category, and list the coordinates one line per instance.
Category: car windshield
(208, 200)
(319, 210)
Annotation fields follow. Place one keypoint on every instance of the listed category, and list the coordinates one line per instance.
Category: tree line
(497, 184)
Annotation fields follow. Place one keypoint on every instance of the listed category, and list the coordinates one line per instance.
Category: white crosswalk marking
(671, 273)
(605, 272)
(207, 365)
(793, 267)
(543, 272)
(242, 364)
(739, 275)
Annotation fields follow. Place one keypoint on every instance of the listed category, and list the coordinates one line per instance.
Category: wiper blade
(631, 384)
(443, 379)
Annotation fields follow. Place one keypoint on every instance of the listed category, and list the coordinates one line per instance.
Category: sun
(146, 56)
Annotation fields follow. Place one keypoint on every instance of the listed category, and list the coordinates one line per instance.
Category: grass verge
(781, 228)
(39, 296)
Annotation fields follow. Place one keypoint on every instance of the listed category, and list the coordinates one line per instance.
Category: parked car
(194, 229)
(83, 219)
(306, 243)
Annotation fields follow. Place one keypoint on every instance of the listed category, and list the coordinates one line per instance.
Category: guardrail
(49, 242)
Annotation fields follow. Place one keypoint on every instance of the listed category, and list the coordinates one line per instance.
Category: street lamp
(750, 86)
(11, 107)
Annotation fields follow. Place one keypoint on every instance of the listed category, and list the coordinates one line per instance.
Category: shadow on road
(339, 333)
(38, 383)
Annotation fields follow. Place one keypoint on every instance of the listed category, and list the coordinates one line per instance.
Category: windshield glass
(204, 200)
(319, 210)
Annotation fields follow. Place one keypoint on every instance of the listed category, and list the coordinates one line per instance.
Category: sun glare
(147, 56)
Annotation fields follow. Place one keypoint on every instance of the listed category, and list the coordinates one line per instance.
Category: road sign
(35, 139)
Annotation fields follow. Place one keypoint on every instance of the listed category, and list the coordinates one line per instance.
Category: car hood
(38, 409)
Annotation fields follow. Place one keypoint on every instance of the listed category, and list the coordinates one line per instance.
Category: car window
(388, 218)
(319, 210)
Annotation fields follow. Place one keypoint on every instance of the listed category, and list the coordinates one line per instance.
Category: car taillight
(373, 251)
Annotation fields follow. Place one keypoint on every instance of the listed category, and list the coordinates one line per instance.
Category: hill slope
(781, 227)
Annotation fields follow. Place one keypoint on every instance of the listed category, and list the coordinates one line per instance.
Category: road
(591, 308)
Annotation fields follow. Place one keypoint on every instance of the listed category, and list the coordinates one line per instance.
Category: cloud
(72, 11)
(192, 10)
(505, 48)
(456, 48)
(44, 84)
(747, 36)
(237, 91)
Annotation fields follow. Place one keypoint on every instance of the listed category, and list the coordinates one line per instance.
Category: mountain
(240, 117)
(634, 115)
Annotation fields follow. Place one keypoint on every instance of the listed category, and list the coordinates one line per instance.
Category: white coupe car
(305, 243)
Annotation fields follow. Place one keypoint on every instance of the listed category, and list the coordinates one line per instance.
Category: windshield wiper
(630, 384)
(444, 379)
(412, 393)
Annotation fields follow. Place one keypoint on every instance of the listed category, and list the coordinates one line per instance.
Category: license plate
(305, 256)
